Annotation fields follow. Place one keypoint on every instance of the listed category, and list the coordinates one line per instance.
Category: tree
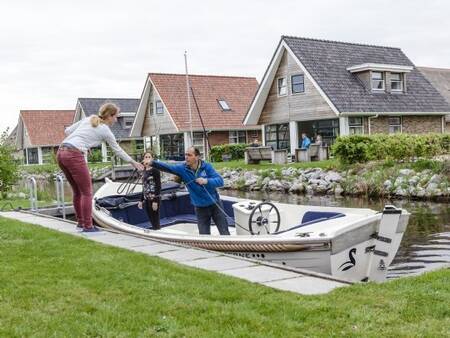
(9, 173)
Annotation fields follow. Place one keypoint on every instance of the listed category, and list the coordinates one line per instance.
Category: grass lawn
(52, 284)
(11, 204)
(267, 165)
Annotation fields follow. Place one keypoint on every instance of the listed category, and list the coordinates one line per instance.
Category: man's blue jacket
(199, 196)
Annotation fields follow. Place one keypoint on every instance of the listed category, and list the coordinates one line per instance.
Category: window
(47, 154)
(297, 84)
(127, 123)
(355, 125)
(159, 107)
(224, 105)
(172, 147)
(33, 156)
(277, 136)
(198, 142)
(238, 136)
(396, 82)
(377, 81)
(327, 129)
(395, 124)
(282, 86)
(150, 110)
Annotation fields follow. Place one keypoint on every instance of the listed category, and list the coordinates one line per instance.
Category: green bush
(95, 155)
(397, 147)
(236, 151)
(8, 167)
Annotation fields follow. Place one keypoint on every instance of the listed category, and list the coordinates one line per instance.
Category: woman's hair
(107, 109)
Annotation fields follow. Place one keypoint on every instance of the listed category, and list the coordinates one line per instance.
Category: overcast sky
(53, 52)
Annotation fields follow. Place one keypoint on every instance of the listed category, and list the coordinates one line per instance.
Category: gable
(309, 105)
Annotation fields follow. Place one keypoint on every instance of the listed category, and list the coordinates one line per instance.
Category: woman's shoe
(91, 229)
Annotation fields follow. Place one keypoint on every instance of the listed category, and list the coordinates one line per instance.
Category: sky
(53, 52)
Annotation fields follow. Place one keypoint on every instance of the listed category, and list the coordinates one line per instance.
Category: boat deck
(260, 272)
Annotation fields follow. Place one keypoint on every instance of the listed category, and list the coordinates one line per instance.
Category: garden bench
(253, 155)
(315, 152)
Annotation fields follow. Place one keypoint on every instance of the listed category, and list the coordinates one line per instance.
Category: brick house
(218, 105)
(90, 106)
(39, 134)
(337, 88)
(440, 79)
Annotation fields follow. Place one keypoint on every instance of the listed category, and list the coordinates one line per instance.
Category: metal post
(60, 194)
(33, 193)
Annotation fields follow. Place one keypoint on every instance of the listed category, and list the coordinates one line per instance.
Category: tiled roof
(92, 105)
(327, 61)
(439, 78)
(46, 127)
(238, 92)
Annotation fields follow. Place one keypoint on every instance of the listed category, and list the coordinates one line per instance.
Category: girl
(81, 136)
(151, 191)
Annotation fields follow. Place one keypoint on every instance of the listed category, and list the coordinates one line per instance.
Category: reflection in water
(426, 242)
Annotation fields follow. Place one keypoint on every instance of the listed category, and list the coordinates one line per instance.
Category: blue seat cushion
(310, 216)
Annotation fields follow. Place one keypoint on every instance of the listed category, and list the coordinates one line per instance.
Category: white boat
(349, 243)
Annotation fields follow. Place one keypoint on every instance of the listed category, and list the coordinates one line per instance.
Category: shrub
(236, 151)
(398, 147)
(8, 167)
(95, 155)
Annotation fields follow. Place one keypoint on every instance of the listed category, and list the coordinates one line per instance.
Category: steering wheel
(259, 219)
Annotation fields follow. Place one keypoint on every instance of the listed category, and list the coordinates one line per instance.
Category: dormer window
(396, 82)
(224, 105)
(282, 86)
(128, 123)
(377, 81)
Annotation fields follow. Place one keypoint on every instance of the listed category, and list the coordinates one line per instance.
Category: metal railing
(59, 181)
(33, 193)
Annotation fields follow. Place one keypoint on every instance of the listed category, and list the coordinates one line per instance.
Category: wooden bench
(315, 152)
(253, 155)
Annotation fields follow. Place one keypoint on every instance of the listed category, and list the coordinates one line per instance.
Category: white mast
(188, 97)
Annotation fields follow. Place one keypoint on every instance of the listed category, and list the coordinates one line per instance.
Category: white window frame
(235, 135)
(292, 84)
(156, 107)
(397, 81)
(352, 127)
(383, 81)
(223, 104)
(125, 125)
(391, 125)
(285, 86)
(151, 109)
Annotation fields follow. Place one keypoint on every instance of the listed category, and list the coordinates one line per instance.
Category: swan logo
(351, 262)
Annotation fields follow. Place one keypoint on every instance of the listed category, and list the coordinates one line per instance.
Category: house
(440, 79)
(40, 132)
(336, 88)
(217, 106)
(133, 145)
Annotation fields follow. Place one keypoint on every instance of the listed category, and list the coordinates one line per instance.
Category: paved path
(265, 273)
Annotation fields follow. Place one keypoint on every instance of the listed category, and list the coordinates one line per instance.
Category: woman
(72, 154)
(151, 191)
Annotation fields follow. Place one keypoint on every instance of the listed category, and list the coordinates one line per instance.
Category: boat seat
(311, 217)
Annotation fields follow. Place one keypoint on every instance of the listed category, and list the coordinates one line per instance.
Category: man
(201, 181)
(306, 142)
(255, 143)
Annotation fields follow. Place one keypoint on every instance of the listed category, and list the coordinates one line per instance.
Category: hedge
(236, 151)
(363, 148)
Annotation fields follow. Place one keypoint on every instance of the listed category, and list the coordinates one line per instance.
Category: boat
(354, 244)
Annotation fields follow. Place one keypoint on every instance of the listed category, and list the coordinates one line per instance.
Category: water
(426, 242)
